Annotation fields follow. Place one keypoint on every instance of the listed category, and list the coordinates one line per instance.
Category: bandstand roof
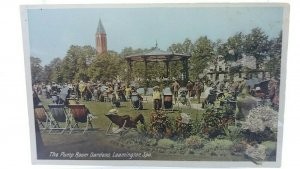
(157, 55)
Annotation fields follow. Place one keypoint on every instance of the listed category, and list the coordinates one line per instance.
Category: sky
(53, 31)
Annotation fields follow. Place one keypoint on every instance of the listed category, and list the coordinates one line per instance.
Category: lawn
(99, 109)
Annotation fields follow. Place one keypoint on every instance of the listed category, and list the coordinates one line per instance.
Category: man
(119, 120)
(198, 89)
(189, 87)
(175, 87)
(82, 88)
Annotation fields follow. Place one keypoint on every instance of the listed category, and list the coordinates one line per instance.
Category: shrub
(218, 146)
(270, 147)
(216, 119)
(233, 133)
(238, 149)
(194, 142)
(261, 124)
(261, 118)
(160, 125)
(165, 143)
(256, 152)
(183, 125)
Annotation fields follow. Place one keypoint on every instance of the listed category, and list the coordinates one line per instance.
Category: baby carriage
(211, 98)
(183, 98)
(136, 101)
(168, 101)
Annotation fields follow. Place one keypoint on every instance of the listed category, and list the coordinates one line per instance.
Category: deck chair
(80, 114)
(60, 116)
(42, 117)
(123, 123)
(168, 102)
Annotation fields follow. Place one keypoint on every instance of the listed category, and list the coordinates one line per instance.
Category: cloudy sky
(52, 31)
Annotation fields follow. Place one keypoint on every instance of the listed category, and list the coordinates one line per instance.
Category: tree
(202, 53)
(257, 44)
(104, 67)
(55, 69)
(36, 69)
(76, 62)
(176, 67)
(233, 48)
(273, 65)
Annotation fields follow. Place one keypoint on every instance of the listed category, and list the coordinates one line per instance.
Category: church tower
(101, 43)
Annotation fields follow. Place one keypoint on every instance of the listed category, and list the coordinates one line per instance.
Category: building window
(220, 69)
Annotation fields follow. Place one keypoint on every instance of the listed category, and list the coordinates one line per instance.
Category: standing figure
(82, 88)
(175, 87)
(198, 87)
(189, 87)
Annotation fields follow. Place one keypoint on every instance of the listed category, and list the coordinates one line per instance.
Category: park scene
(183, 87)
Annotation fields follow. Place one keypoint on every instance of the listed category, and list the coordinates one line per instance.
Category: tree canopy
(82, 62)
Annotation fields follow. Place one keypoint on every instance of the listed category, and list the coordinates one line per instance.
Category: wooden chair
(42, 117)
(60, 116)
(80, 114)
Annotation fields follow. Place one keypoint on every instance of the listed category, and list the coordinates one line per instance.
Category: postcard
(190, 85)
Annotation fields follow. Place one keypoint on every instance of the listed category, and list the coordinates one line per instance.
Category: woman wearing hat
(156, 98)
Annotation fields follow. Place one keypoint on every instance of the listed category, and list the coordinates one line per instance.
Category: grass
(99, 109)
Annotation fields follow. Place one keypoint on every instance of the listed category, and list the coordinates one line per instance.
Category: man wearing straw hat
(120, 119)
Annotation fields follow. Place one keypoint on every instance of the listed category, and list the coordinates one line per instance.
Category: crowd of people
(200, 89)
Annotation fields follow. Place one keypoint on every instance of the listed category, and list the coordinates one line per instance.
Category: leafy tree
(36, 69)
(176, 67)
(55, 69)
(275, 56)
(257, 44)
(74, 65)
(233, 48)
(202, 53)
(104, 67)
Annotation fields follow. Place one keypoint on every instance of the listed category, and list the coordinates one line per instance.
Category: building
(219, 69)
(101, 42)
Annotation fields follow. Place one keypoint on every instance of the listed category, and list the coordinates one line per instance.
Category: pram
(168, 102)
(183, 98)
(136, 101)
(211, 98)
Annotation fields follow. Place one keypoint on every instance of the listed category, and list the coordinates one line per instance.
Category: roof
(157, 55)
(100, 28)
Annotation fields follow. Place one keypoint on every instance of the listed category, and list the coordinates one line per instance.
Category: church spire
(100, 28)
(101, 42)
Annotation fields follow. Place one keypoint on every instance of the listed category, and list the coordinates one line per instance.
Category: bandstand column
(167, 68)
(146, 73)
(130, 70)
(185, 70)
